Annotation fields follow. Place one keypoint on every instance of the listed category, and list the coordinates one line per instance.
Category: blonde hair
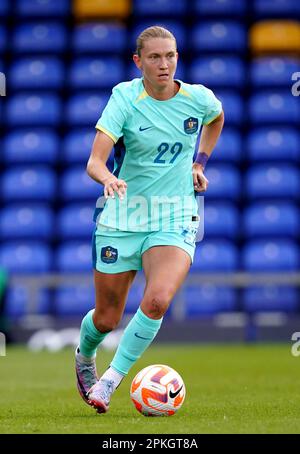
(152, 32)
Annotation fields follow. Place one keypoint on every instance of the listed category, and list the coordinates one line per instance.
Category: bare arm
(96, 167)
(209, 137)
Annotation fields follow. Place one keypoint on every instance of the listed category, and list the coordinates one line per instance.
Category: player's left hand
(200, 181)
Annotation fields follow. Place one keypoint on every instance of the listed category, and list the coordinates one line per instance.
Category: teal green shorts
(116, 251)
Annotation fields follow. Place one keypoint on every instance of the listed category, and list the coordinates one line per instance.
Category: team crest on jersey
(109, 254)
(191, 125)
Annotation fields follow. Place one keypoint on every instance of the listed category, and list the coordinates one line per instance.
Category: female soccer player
(150, 217)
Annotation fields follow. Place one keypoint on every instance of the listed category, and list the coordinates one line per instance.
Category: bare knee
(155, 304)
(108, 313)
(105, 322)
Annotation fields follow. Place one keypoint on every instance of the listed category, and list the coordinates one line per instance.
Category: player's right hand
(112, 185)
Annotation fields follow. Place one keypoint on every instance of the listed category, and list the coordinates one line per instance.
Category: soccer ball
(157, 390)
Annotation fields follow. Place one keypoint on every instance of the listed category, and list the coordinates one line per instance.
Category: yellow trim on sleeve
(205, 124)
(109, 134)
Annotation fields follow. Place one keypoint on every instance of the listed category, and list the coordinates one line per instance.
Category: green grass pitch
(230, 389)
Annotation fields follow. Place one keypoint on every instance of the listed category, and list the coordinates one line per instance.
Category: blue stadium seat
(18, 302)
(229, 146)
(221, 219)
(218, 71)
(273, 218)
(270, 298)
(34, 221)
(33, 110)
(274, 143)
(270, 180)
(133, 72)
(270, 255)
(224, 181)
(85, 109)
(219, 36)
(273, 71)
(75, 184)
(99, 37)
(208, 299)
(223, 7)
(178, 30)
(216, 255)
(28, 183)
(74, 256)
(96, 72)
(32, 8)
(77, 145)
(276, 8)
(31, 145)
(76, 221)
(25, 257)
(159, 7)
(74, 300)
(3, 38)
(274, 107)
(35, 73)
(40, 37)
(233, 106)
(4, 8)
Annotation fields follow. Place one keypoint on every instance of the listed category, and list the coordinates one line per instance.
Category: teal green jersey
(159, 139)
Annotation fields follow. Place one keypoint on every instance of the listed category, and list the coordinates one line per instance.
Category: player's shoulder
(129, 89)
(196, 90)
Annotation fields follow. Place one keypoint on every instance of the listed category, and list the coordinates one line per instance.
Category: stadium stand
(61, 59)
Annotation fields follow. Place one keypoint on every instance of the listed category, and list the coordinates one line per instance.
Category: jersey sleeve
(213, 106)
(113, 116)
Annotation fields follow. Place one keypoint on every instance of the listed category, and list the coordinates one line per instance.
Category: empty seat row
(216, 7)
(213, 36)
(48, 110)
(218, 255)
(105, 72)
(53, 36)
(40, 182)
(202, 300)
(33, 8)
(208, 299)
(27, 109)
(43, 145)
(221, 219)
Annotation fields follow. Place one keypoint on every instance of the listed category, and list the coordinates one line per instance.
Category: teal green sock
(137, 336)
(90, 337)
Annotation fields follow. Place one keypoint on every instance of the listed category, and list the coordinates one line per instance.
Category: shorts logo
(109, 254)
(191, 125)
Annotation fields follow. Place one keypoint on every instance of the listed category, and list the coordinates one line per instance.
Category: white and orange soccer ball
(157, 390)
